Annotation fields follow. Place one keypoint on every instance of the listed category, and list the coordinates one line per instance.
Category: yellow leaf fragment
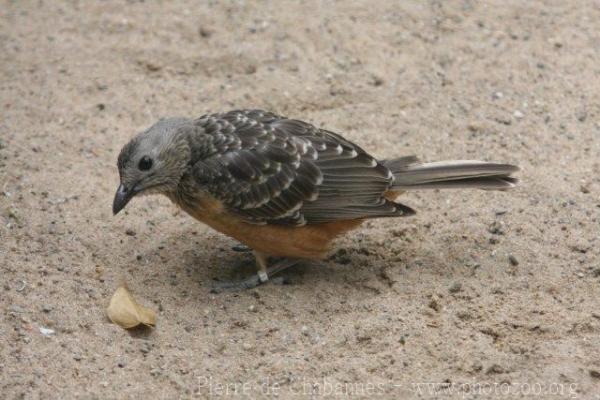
(124, 311)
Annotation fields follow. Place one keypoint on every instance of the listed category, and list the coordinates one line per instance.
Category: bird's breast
(308, 241)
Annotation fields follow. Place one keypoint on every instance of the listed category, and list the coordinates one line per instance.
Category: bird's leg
(262, 276)
(262, 262)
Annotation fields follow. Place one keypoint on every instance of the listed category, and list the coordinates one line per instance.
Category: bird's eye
(145, 163)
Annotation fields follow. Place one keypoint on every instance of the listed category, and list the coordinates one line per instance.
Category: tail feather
(409, 173)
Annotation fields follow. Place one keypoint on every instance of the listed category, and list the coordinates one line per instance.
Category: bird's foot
(247, 283)
(257, 279)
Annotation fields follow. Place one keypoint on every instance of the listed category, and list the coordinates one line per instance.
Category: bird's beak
(122, 197)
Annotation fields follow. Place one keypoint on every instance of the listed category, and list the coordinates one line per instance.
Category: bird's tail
(410, 173)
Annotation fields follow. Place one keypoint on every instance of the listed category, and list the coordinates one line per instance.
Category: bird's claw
(255, 280)
(248, 283)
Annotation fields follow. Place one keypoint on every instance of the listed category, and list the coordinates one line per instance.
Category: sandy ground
(430, 299)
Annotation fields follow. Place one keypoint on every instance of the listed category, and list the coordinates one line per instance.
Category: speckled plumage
(269, 169)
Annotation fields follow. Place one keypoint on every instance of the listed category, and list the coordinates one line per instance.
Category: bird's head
(153, 161)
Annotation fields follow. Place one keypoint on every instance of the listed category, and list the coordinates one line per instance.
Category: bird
(283, 187)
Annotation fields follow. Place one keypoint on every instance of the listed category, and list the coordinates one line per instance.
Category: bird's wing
(269, 169)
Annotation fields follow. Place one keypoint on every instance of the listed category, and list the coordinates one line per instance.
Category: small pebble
(247, 346)
(377, 81)
(496, 228)
(304, 330)
(455, 288)
(595, 374)
(518, 114)
(252, 308)
(205, 32)
(240, 248)
(513, 260)
(434, 305)
(495, 369)
(130, 232)
(46, 331)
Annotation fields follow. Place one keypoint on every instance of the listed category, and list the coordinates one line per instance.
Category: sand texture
(478, 288)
